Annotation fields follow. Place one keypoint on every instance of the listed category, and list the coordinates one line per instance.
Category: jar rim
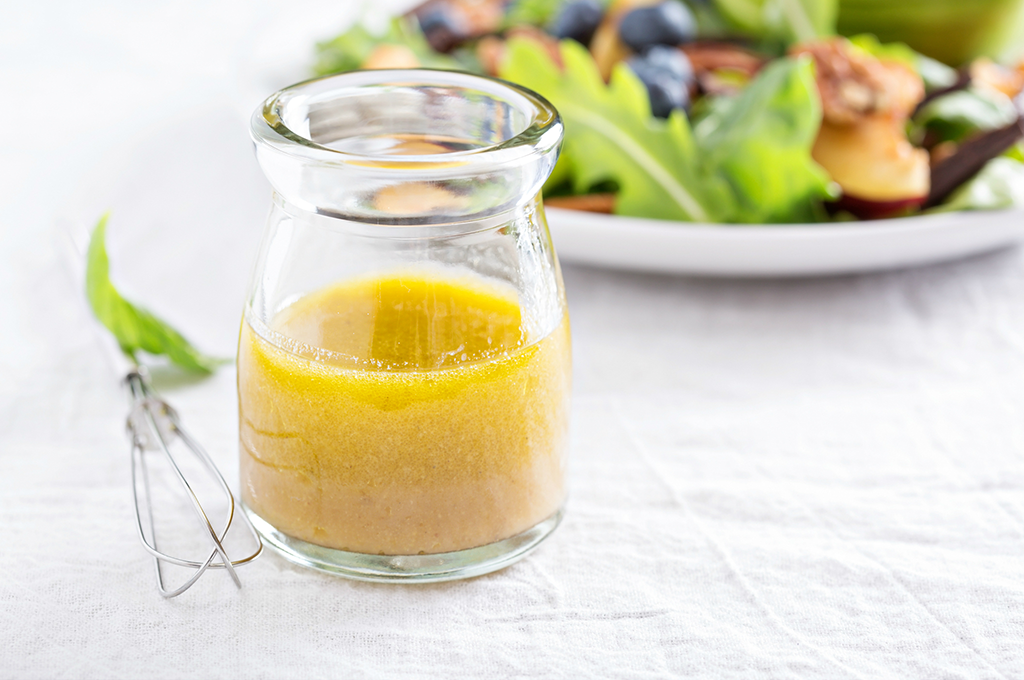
(541, 134)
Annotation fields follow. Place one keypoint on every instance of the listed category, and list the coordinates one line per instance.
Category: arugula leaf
(134, 328)
(350, 49)
(749, 160)
(611, 135)
(760, 143)
(786, 20)
(959, 114)
(1000, 184)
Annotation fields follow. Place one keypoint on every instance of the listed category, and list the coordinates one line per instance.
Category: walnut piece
(853, 84)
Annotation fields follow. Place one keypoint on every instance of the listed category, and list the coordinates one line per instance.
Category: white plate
(778, 250)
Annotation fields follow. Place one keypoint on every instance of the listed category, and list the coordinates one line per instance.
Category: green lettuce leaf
(611, 135)
(350, 49)
(786, 20)
(749, 160)
(1000, 184)
(134, 328)
(960, 114)
(760, 143)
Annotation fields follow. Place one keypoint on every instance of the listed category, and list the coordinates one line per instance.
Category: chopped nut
(707, 55)
(721, 68)
(853, 85)
(857, 96)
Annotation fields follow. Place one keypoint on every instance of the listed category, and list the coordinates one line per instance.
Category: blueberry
(578, 20)
(671, 61)
(666, 98)
(667, 74)
(440, 29)
(669, 23)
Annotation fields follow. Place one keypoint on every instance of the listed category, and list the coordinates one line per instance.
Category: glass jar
(404, 360)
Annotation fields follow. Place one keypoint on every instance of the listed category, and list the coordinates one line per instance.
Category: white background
(820, 478)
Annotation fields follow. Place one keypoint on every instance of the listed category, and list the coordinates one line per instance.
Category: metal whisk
(152, 425)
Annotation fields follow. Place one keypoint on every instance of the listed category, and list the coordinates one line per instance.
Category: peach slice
(879, 170)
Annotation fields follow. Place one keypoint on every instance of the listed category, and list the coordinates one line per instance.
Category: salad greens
(610, 134)
(785, 20)
(748, 160)
(760, 143)
(934, 74)
(959, 114)
(350, 49)
(1000, 184)
(532, 12)
(134, 328)
(743, 122)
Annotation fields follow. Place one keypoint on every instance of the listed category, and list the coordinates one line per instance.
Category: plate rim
(894, 225)
(779, 250)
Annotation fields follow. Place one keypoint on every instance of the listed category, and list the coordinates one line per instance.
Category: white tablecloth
(816, 479)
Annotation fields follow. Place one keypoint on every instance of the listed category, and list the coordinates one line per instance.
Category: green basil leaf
(134, 328)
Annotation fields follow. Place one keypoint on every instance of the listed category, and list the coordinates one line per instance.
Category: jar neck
(413, 231)
(408, 147)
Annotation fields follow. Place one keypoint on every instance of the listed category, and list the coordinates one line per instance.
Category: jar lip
(268, 124)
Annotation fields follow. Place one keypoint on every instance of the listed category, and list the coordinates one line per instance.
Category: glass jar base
(435, 567)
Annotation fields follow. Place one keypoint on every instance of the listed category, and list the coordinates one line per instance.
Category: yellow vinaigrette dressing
(403, 415)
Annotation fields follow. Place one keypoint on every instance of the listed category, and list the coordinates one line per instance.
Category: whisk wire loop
(152, 425)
